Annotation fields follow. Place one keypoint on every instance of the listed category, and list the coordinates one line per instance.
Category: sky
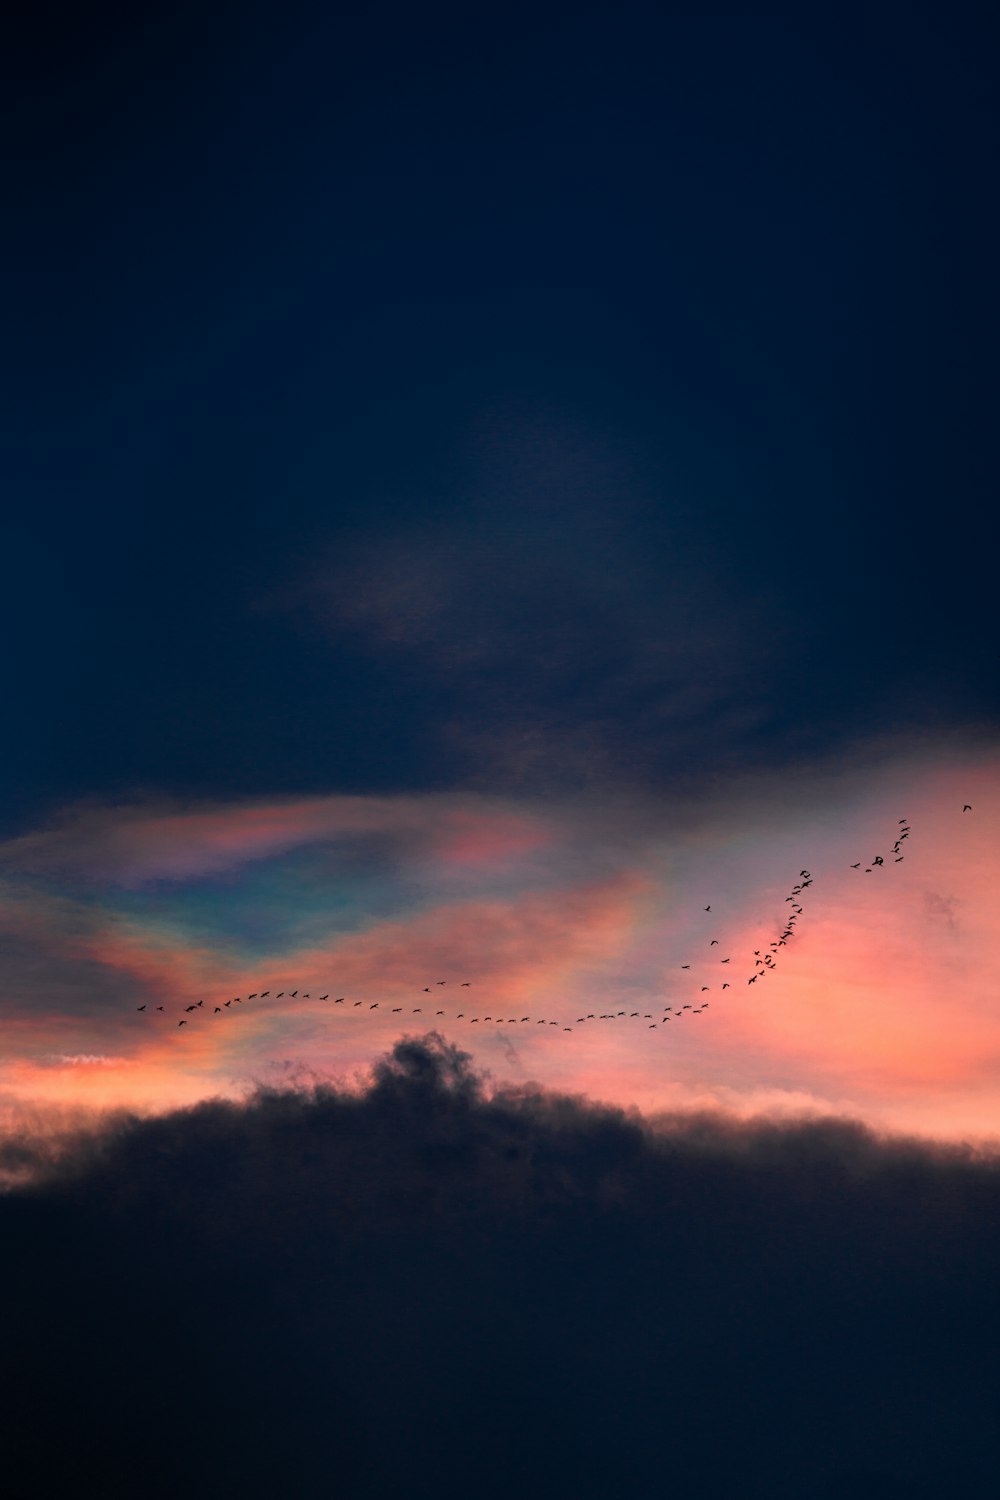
(500, 796)
(483, 488)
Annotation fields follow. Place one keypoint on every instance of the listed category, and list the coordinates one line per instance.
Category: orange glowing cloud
(881, 1004)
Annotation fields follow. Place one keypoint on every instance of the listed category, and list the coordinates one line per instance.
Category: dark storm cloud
(430, 1285)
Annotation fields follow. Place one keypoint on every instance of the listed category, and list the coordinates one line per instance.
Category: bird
(253, 996)
(426, 990)
(293, 993)
(373, 1007)
(339, 1000)
(182, 1023)
(324, 997)
(857, 866)
(356, 1004)
(279, 995)
(704, 988)
(396, 1009)
(140, 1007)
(440, 1012)
(900, 859)
(708, 908)
(714, 943)
(441, 981)
(685, 966)
(159, 1007)
(725, 986)
(967, 807)
(417, 1012)
(723, 960)
(218, 1010)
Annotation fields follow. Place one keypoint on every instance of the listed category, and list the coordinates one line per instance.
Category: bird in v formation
(765, 965)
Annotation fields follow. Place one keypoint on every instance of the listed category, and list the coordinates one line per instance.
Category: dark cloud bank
(435, 1288)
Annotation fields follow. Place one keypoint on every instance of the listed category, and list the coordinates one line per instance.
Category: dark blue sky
(545, 396)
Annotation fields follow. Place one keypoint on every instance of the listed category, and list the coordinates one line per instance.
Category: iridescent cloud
(881, 1005)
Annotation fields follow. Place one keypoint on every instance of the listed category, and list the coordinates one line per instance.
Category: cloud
(81, 1060)
(547, 909)
(384, 1288)
(562, 650)
(169, 841)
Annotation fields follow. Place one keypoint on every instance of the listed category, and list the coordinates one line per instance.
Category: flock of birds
(765, 962)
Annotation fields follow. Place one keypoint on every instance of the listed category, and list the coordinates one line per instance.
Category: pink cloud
(130, 846)
(883, 1005)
